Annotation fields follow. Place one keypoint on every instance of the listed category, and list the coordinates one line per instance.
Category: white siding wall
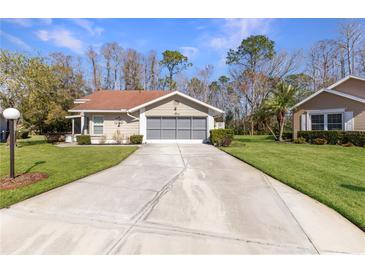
(127, 126)
(176, 106)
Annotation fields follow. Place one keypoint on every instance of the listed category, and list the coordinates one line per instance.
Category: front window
(317, 121)
(98, 122)
(334, 121)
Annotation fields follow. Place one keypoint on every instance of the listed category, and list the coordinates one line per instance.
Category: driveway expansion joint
(146, 210)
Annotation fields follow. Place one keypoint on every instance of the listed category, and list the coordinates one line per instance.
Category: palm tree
(283, 97)
(264, 115)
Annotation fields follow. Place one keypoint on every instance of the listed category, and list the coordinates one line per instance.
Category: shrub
(83, 139)
(334, 137)
(221, 137)
(22, 134)
(55, 137)
(287, 135)
(299, 140)
(227, 141)
(136, 139)
(320, 141)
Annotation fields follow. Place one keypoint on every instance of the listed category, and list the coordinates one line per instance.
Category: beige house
(340, 106)
(160, 116)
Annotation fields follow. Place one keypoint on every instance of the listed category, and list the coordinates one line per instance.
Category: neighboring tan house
(341, 106)
(160, 116)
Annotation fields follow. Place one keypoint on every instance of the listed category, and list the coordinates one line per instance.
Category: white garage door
(169, 128)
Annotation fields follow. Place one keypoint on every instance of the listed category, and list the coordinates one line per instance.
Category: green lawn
(333, 175)
(63, 165)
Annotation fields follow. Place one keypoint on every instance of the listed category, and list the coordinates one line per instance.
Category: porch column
(143, 124)
(73, 127)
(82, 123)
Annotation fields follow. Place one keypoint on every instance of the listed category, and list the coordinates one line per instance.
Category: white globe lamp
(11, 114)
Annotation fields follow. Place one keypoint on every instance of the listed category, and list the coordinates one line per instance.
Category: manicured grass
(333, 175)
(63, 165)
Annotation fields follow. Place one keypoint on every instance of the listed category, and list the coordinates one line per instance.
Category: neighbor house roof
(116, 100)
(128, 100)
(331, 90)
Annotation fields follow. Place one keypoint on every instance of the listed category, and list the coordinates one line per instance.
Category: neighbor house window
(98, 122)
(326, 121)
(317, 121)
(334, 121)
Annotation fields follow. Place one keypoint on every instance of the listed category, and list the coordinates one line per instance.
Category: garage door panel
(199, 134)
(153, 134)
(168, 134)
(168, 123)
(184, 123)
(199, 123)
(183, 134)
(153, 123)
(176, 128)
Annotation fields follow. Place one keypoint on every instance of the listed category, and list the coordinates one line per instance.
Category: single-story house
(340, 106)
(3, 126)
(160, 116)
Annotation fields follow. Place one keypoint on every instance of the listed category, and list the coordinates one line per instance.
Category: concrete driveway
(176, 199)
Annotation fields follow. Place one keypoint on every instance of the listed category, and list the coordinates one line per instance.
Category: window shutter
(349, 120)
(303, 125)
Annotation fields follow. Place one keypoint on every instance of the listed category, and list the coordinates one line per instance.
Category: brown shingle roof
(118, 99)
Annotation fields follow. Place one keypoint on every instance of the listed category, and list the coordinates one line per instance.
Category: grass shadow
(354, 188)
(24, 143)
(34, 165)
(254, 138)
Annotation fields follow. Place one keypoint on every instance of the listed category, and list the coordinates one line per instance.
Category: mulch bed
(22, 180)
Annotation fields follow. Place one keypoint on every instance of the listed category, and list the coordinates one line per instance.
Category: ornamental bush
(22, 134)
(221, 137)
(299, 140)
(54, 137)
(334, 137)
(136, 139)
(83, 139)
(320, 141)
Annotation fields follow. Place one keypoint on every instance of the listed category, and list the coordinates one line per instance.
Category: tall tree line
(44, 87)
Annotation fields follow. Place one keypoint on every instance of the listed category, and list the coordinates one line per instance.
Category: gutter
(130, 115)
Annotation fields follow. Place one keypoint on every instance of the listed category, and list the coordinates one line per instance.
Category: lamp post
(12, 115)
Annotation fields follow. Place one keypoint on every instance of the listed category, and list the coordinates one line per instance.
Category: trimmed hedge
(221, 137)
(335, 137)
(136, 139)
(83, 139)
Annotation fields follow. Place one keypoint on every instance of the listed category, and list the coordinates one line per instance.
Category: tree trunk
(251, 121)
(270, 129)
(282, 123)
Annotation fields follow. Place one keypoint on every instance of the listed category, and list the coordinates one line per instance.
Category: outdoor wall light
(11, 114)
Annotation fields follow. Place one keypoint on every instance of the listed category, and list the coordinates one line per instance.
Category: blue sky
(204, 41)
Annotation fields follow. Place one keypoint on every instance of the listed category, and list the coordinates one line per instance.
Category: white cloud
(15, 40)
(24, 22)
(61, 38)
(45, 21)
(188, 51)
(89, 26)
(27, 22)
(233, 31)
